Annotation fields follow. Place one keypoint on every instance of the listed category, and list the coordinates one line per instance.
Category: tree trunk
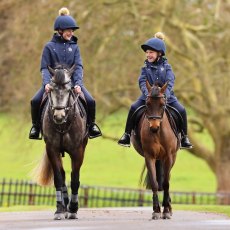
(223, 170)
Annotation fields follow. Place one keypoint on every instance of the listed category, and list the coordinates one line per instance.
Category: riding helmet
(156, 43)
(65, 21)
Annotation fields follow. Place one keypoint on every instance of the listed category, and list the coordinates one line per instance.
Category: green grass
(106, 163)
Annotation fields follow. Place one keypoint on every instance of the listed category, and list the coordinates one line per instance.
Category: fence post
(141, 198)
(2, 192)
(86, 196)
(193, 198)
(31, 195)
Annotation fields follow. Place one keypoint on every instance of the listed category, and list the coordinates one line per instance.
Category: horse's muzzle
(59, 116)
(154, 129)
(154, 125)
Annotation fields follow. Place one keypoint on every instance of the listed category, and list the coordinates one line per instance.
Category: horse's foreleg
(73, 205)
(56, 163)
(152, 180)
(167, 212)
(64, 190)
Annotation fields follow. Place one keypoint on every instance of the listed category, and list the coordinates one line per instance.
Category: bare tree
(110, 35)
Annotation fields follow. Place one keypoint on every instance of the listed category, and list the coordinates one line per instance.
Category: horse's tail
(159, 174)
(43, 173)
(145, 181)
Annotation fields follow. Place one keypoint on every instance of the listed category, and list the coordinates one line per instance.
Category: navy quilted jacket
(60, 51)
(157, 72)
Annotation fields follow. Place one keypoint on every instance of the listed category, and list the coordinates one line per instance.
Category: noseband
(155, 117)
(68, 105)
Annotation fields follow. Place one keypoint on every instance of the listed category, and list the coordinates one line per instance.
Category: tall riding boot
(35, 130)
(94, 130)
(125, 139)
(185, 142)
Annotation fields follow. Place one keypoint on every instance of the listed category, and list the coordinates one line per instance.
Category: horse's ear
(148, 86)
(163, 88)
(72, 69)
(52, 71)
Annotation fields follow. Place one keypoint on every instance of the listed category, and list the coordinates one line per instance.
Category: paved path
(114, 219)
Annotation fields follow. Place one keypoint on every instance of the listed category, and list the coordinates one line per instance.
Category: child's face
(67, 34)
(151, 55)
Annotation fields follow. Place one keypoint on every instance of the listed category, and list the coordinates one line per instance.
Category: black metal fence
(20, 192)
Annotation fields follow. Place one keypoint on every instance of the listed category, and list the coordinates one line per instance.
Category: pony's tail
(145, 181)
(159, 174)
(43, 172)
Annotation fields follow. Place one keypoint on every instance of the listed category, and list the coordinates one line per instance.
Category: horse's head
(155, 105)
(60, 92)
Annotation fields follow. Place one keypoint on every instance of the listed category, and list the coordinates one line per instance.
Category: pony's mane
(59, 76)
(155, 91)
(59, 73)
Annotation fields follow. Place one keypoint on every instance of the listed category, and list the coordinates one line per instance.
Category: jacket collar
(59, 39)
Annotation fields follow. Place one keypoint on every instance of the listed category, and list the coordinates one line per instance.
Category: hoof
(166, 215)
(156, 215)
(72, 216)
(66, 215)
(59, 216)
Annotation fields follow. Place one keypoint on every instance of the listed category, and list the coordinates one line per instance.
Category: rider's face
(151, 55)
(67, 34)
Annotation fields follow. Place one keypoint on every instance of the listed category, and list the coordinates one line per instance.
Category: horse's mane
(155, 91)
(59, 73)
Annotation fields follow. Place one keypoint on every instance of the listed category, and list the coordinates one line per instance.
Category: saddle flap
(137, 115)
(174, 118)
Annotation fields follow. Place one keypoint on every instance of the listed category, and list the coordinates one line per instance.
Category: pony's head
(60, 92)
(155, 105)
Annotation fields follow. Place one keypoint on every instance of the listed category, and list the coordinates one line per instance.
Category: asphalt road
(114, 219)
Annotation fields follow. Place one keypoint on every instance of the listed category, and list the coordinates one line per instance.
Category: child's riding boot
(185, 143)
(125, 140)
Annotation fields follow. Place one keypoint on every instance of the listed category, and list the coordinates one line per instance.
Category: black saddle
(137, 115)
(175, 119)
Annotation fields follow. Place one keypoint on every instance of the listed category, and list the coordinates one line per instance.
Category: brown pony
(155, 140)
(64, 130)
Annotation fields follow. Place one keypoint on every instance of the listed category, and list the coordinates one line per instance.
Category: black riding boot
(125, 139)
(185, 142)
(35, 130)
(94, 130)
